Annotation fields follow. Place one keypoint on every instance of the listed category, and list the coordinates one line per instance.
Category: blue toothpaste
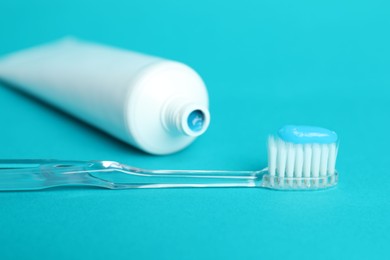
(306, 134)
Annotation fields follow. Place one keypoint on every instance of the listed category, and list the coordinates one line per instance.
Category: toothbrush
(299, 158)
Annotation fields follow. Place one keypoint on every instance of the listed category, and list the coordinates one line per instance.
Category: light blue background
(266, 63)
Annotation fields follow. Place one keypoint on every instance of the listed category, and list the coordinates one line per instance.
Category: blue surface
(266, 64)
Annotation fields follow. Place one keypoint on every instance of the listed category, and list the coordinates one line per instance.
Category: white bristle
(315, 160)
(332, 158)
(272, 150)
(324, 159)
(306, 160)
(281, 158)
(298, 160)
(288, 161)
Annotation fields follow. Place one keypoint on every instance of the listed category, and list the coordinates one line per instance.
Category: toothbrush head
(302, 157)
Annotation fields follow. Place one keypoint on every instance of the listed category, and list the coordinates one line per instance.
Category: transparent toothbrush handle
(41, 174)
(131, 177)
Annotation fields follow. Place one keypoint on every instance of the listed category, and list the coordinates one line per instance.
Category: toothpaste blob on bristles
(302, 156)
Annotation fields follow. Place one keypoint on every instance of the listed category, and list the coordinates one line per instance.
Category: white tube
(157, 105)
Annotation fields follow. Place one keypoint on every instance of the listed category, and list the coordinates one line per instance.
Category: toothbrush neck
(180, 178)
